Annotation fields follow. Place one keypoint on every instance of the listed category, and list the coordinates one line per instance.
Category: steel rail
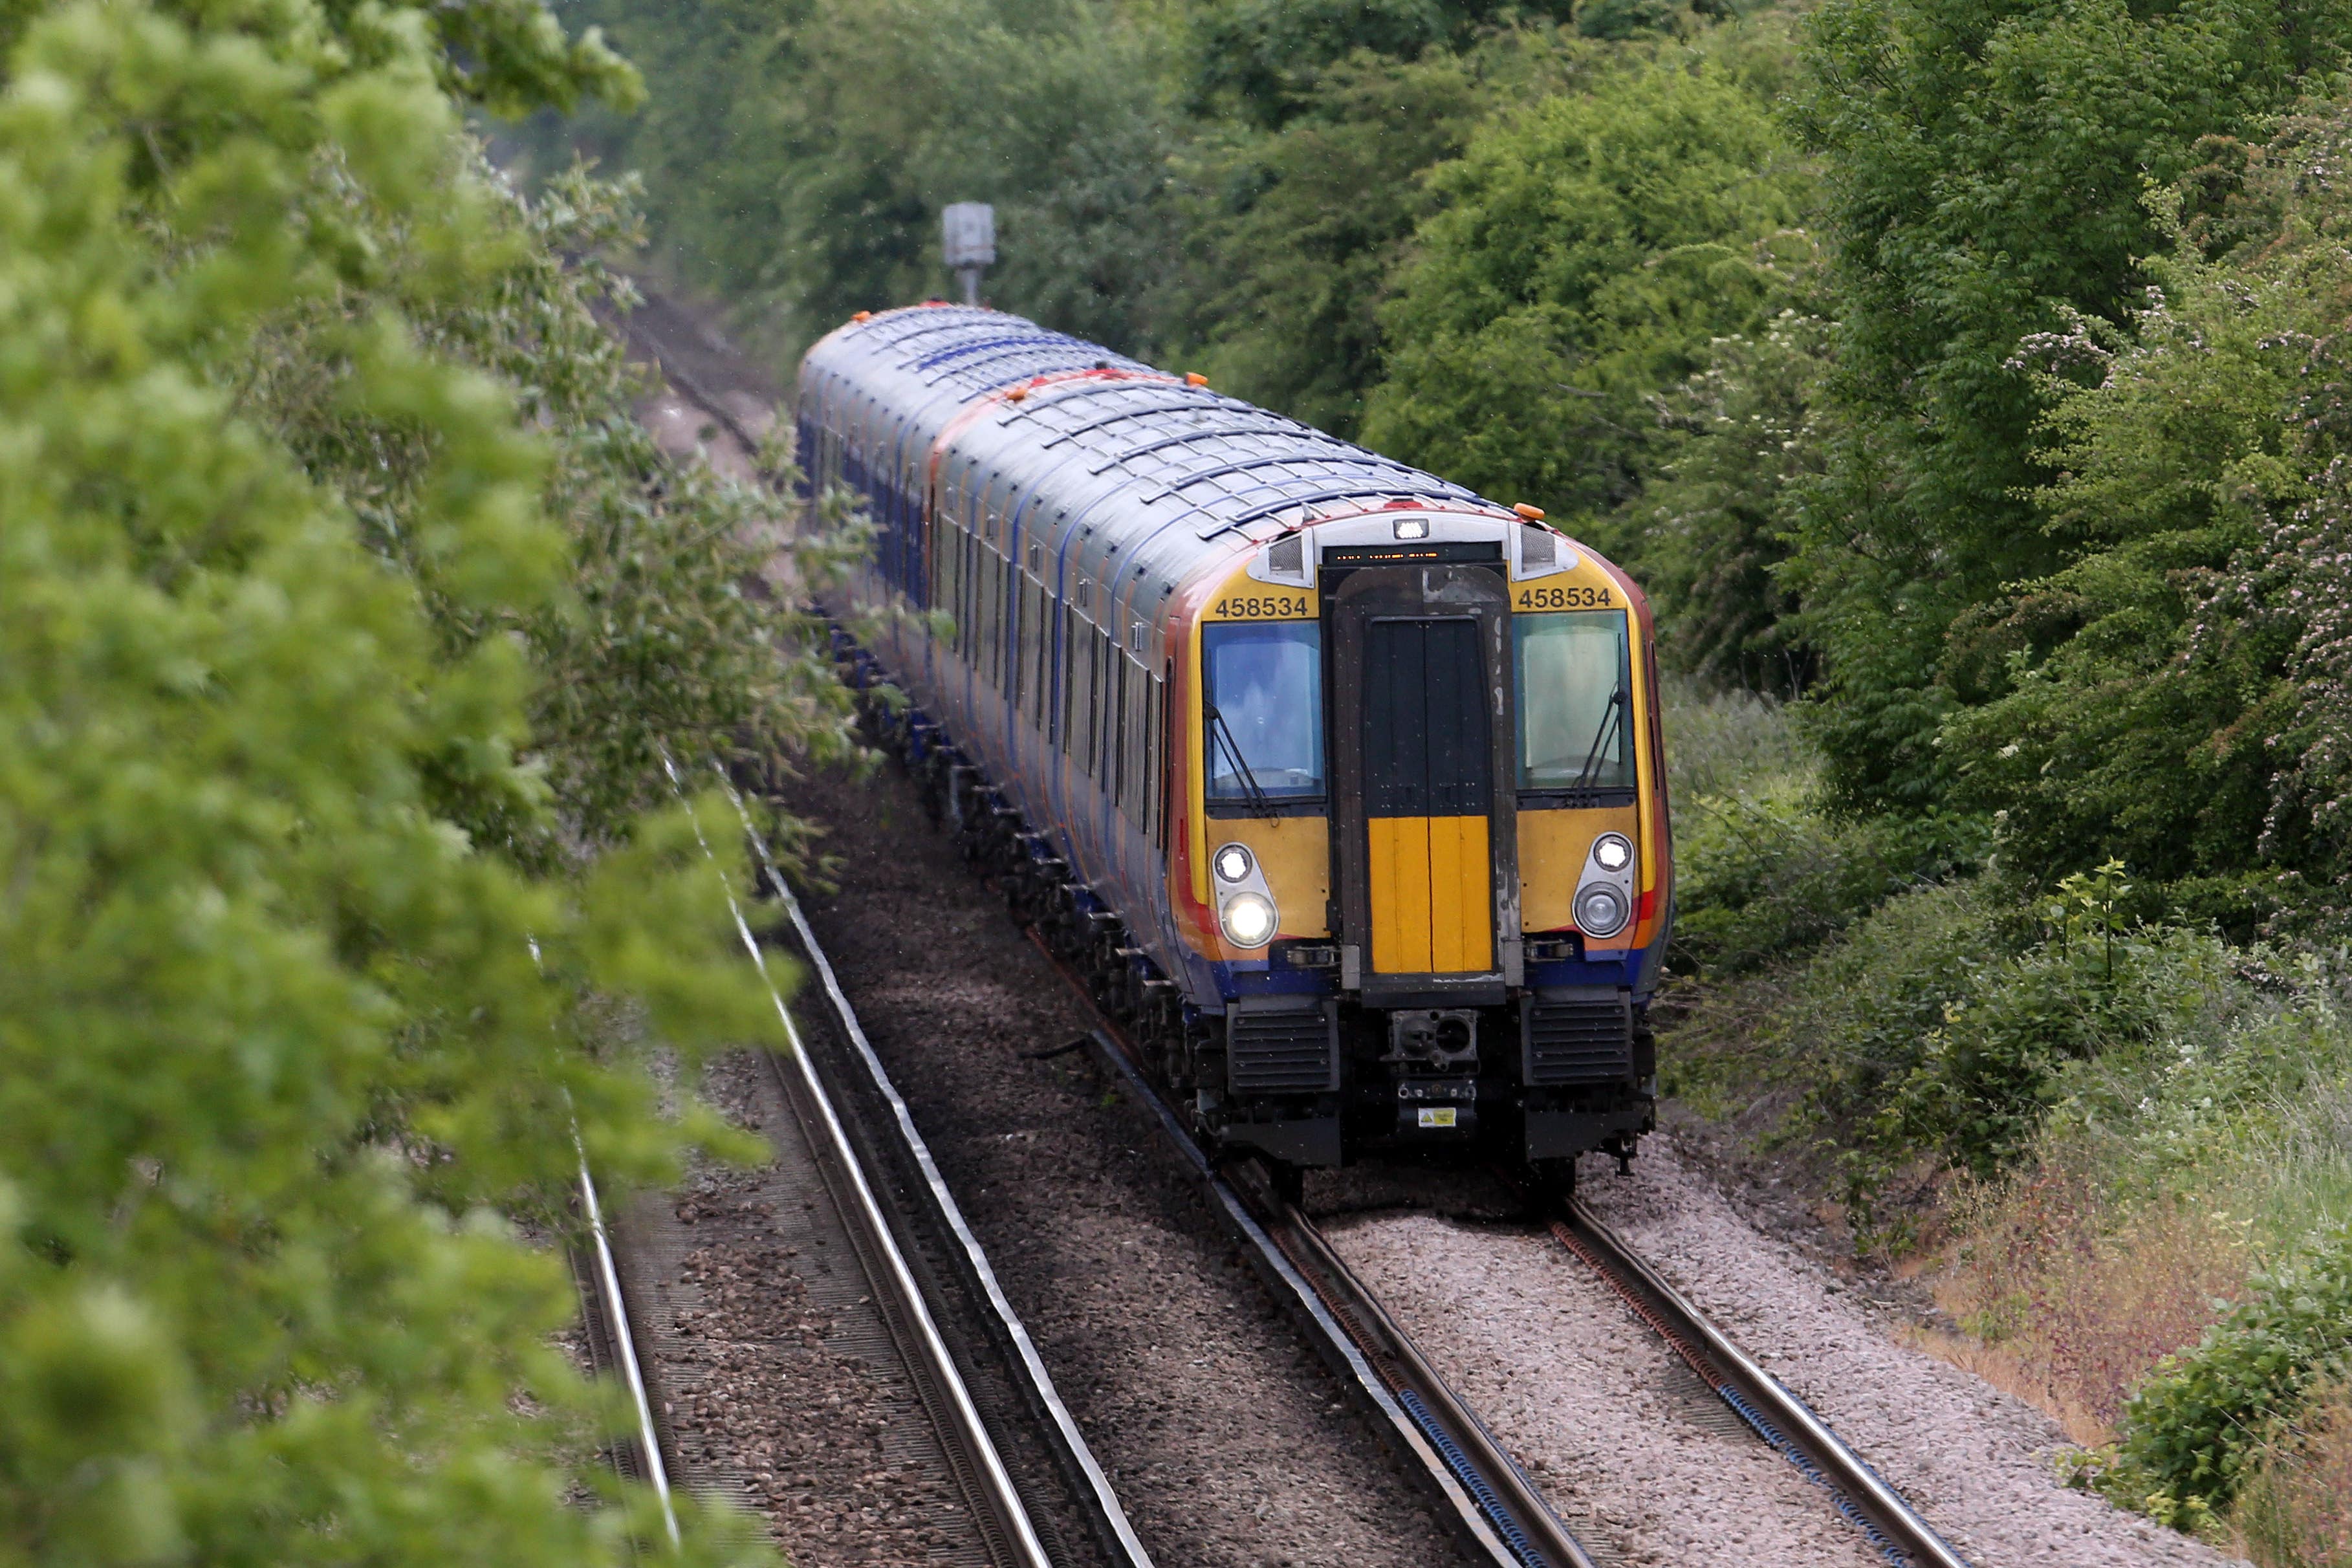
(995, 1502)
(612, 1313)
(1495, 1509)
(1111, 1516)
(615, 1308)
(1886, 1518)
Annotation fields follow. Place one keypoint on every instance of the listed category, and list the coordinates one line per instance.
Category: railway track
(1010, 1532)
(1115, 1531)
(1497, 1511)
(612, 1352)
(1500, 1508)
(926, 1323)
(1494, 1508)
(1890, 1525)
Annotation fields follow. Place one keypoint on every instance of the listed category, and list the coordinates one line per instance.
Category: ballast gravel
(1638, 1456)
(1978, 1462)
(1230, 1443)
(1616, 1431)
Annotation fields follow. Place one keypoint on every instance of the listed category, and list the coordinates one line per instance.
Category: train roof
(1136, 478)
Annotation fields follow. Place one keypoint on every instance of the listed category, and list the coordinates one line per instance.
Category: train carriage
(1345, 784)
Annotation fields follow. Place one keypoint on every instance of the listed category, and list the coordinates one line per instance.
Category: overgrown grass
(2296, 1510)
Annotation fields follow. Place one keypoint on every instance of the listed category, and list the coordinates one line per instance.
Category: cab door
(1425, 828)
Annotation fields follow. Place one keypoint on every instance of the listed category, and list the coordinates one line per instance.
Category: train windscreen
(1264, 713)
(1575, 700)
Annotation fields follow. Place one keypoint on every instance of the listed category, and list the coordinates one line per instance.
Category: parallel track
(1109, 1516)
(1008, 1535)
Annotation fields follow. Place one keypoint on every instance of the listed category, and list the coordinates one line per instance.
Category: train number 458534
(1270, 607)
(1570, 596)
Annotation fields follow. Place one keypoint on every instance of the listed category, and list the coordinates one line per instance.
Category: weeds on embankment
(2120, 1149)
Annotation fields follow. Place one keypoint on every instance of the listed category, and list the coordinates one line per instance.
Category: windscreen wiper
(1609, 721)
(1221, 734)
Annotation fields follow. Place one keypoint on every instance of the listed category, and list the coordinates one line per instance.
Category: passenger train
(1343, 784)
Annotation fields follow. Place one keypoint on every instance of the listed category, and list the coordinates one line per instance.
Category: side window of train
(1098, 703)
(1131, 745)
(1069, 620)
(1010, 675)
(948, 568)
(1115, 767)
(984, 623)
(1041, 648)
(1156, 748)
(967, 592)
(993, 614)
(1024, 683)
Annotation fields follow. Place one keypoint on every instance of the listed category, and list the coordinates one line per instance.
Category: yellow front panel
(1295, 853)
(1400, 878)
(1552, 848)
(1462, 924)
(1432, 902)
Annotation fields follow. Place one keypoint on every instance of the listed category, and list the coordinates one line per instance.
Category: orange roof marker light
(1532, 513)
(1194, 378)
(1018, 394)
(863, 316)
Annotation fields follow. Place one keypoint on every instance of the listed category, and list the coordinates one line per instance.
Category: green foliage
(798, 156)
(1859, 1014)
(2194, 1428)
(1764, 875)
(1985, 165)
(1262, 62)
(656, 644)
(1727, 744)
(1984, 1078)
(1761, 875)
(1714, 524)
(2138, 701)
(1588, 250)
(276, 1050)
(1292, 235)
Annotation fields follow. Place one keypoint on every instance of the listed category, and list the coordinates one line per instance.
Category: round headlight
(1601, 911)
(1232, 863)
(1248, 920)
(1611, 852)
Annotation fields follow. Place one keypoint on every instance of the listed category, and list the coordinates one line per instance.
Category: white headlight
(1611, 852)
(1232, 863)
(1599, 911)
(1249, 920)
(1413, 528)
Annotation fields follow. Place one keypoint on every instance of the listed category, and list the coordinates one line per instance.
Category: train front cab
(1427, 783)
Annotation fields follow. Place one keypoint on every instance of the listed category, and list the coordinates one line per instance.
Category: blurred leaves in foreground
(343, 611)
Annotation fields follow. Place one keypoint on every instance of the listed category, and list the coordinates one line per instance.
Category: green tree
(1985, 165)
(1713, 525)
(1293, 235)
(1588, 251)
(798, 156)
(275, 1052)
(2167, 695)
(1264, 61)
